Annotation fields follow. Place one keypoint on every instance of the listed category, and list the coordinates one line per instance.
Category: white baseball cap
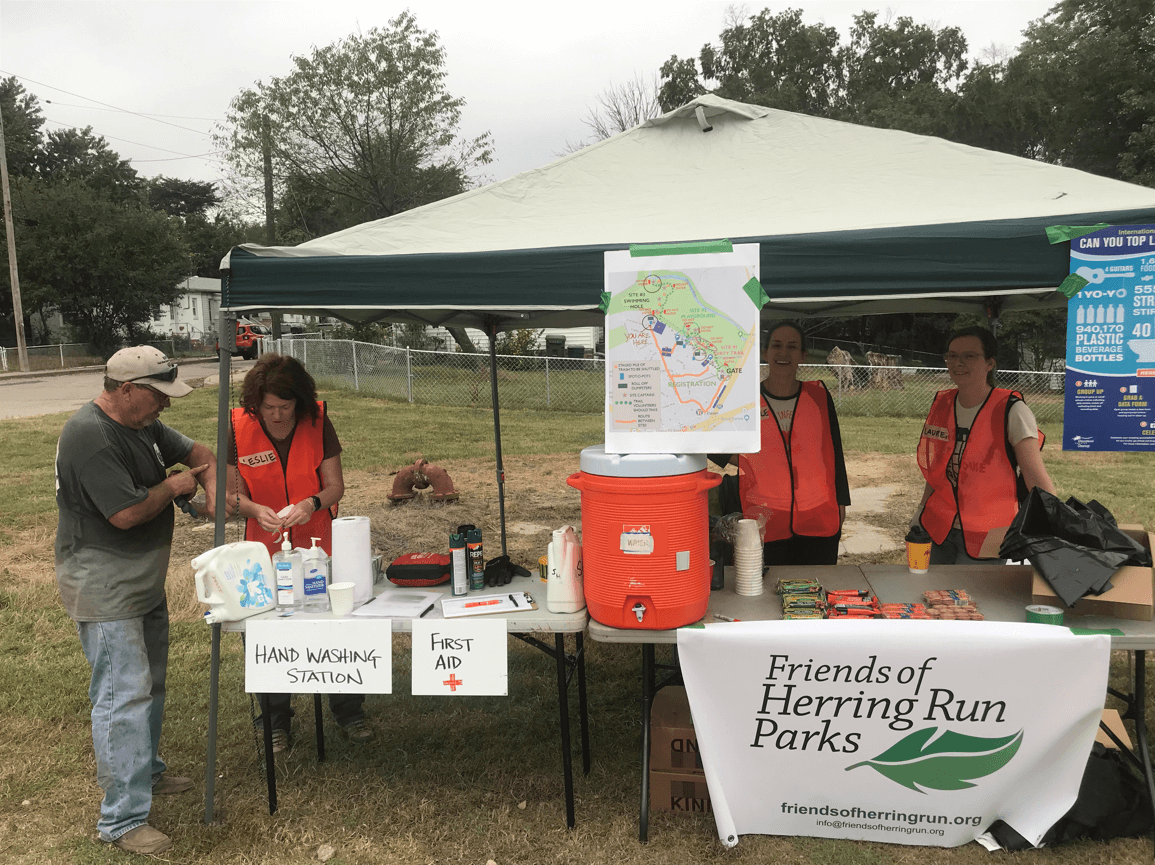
(143, 362)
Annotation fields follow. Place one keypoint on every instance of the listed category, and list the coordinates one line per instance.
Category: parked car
(247, 337)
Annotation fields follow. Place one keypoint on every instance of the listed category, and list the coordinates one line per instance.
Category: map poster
(1110, 381)
(682, 352)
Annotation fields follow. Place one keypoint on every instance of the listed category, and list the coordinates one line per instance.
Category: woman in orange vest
(976, 440)
(285, 475)
(798, 477)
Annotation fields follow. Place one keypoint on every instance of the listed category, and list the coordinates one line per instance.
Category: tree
(621, 107)
(522, 341)
(1080, 92)
(778, 61)
(365, 123)
(680, 83)
(22, 122)
(178, 197)
(106, 265)
(78, 155)
(897, 75)
(902, 75)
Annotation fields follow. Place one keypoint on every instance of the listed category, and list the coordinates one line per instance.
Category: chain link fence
(70, 355)
(578, 385)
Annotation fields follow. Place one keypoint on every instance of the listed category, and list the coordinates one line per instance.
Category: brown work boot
(167, 784)
(143, 839)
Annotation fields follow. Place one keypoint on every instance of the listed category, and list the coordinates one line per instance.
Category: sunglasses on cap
(168, 375)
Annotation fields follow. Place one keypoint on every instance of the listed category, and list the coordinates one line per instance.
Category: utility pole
(270, 227)
(10, 230)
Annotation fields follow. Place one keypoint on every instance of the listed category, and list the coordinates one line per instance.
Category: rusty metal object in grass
(420, 476)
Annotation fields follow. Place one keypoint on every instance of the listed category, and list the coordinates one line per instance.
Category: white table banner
(907, 732)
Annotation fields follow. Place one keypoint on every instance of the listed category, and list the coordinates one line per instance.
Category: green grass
(444, 781)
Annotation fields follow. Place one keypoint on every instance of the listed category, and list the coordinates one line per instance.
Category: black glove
(499, 571)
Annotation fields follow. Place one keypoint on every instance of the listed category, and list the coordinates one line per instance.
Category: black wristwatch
(316, 503)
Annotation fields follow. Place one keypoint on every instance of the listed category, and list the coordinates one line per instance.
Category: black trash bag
(1076, 547)
(1112, 803)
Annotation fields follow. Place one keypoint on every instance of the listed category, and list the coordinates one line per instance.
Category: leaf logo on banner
(943, 763)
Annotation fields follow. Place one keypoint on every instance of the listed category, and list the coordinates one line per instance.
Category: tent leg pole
(497, 431)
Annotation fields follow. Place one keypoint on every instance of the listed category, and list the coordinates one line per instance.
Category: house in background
(193, 314)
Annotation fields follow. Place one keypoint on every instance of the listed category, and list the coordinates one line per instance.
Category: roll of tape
(1044, 615)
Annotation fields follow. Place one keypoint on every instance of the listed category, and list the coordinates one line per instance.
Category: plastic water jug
(564, 591)
(235, 580)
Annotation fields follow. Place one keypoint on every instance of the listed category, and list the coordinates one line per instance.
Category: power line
(138, 143)
(143, 114)
(98, 102)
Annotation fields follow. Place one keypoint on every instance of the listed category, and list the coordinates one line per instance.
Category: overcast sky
(528, 72)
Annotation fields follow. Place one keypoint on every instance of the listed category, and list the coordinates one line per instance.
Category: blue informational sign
(1111, 342)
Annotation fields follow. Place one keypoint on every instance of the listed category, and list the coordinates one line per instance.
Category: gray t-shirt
(102, 467)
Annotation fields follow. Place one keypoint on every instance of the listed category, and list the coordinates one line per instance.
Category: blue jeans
(129, 659)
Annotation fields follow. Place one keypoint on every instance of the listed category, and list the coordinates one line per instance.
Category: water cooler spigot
(639, 610)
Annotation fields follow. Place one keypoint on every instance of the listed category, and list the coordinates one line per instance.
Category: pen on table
(427, 609)
(512, 598)
(725, 618)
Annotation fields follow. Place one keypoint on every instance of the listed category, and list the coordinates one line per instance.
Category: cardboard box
(1129, 598)
(1111, 719)
(679, 793)
(673, 745)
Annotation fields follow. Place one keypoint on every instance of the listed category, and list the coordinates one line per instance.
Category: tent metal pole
(227, 326)
(497, 429)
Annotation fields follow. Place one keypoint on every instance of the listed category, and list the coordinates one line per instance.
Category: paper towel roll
(352, 556)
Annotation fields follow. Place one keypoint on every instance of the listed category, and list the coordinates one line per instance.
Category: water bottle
(316, 581)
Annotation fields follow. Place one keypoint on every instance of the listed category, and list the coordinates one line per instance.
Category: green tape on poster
(756, 293)
(637, 250)
(1063, 233)
(605, 304)
(1072, 285)
(1090, 632)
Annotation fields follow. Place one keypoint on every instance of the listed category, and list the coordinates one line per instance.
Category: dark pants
(346, 709)
(953, 551)
(802, 550)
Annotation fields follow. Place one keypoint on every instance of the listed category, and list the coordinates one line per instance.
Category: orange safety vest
(799, 502)
(275, 485)
(988, 481)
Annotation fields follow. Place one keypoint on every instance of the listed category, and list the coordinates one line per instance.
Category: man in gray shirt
(113, 541)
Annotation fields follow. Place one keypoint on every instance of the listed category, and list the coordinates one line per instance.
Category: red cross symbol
(452, 682)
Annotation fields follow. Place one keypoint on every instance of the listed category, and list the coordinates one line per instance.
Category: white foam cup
(341, 598)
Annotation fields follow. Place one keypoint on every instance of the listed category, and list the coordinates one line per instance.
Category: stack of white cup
(748, 559)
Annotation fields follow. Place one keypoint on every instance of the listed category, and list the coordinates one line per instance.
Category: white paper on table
(399, 604)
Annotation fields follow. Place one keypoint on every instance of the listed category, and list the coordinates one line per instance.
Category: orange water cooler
(645, 537)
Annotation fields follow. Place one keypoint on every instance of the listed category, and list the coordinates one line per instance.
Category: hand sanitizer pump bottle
(287, 565)
(316, 579)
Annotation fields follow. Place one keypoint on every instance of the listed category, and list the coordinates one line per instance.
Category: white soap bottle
(290, 571)
(316, 584)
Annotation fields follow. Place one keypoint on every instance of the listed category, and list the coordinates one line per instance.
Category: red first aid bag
(419, 569)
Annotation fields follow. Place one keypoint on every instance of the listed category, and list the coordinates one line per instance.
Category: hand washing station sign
(1110, 382)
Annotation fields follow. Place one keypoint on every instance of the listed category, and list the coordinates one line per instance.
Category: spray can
(476, 557)
(460, 567)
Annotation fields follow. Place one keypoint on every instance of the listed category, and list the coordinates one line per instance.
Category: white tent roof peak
(713, 106)
(761, 172)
